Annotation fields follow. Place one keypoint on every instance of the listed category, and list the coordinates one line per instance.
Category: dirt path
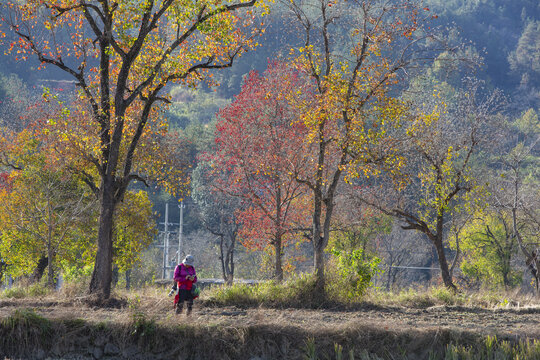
(519, 323)
(513, 322)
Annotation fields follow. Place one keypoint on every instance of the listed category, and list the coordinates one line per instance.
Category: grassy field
(270, 321)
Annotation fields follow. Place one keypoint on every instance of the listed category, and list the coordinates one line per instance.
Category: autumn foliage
(260, 148)
(121, 56)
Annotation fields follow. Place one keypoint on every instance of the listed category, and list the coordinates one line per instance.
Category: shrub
(298, 291)
(237, 294)
(415, 298)
(356, 272)
(447, 296)
(76, 279)
(295, 292)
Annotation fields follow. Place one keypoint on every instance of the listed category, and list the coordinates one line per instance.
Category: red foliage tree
(260, 146)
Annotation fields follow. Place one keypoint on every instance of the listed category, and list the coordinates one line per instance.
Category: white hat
(189, 260)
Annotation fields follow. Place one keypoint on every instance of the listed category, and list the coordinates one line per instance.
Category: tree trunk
(318, 262)
(115, 276)
(532, 259)
(50, 267)
(223, 258)
(317, 241)
(390, 278)
(100, 285)
(229, 261)
(50, 255)
(40, 269)
(506, 267)
(278, 238)
(128, 279)
(443, 263)
(278, 270)
(456, 257)
(3, 268)
(227, 256)
(534, 266)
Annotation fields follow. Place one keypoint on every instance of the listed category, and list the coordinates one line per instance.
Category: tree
(352, 52)
(121, 56)
(42, 213)
(134, 231)
(48, 208)
(217, 212)
(524, 63)
(15, 100)
(489, 246)
(515, 189)
(4, 188)
(527, 54)
(441, 183)
(261, 152)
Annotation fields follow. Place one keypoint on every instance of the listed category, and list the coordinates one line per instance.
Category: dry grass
(442, 296)
(381, 326)
(232, 333)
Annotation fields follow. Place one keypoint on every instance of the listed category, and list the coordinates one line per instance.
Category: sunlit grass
(21, 292)
(440, 295)
(490, 348)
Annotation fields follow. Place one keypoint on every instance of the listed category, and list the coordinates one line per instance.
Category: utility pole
(166, 242)
(180, 228)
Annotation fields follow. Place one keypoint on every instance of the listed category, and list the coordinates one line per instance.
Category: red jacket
(180, 274)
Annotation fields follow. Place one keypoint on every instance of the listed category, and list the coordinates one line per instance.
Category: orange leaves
(350, 116)
(260, 153)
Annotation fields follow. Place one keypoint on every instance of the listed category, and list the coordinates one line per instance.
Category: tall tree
(121, 56)
(260, 148)
(440, 180)
(352, 52)
(516, 186)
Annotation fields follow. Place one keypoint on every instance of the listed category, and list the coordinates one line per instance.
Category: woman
(185, 276)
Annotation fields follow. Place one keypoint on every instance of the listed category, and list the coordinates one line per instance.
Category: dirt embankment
(148, 328)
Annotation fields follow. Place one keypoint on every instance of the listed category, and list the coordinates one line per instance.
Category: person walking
(185, 276)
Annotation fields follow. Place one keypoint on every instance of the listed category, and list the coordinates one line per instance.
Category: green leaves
(356, 270)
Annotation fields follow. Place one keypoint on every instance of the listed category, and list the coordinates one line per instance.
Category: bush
(447, 296)
(295, 292)
(76, 279)
(237, 294)
(298, 291)
(355, 272)
(415, 299)
(346, 282)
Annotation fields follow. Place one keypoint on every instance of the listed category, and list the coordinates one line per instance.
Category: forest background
(493, 229)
